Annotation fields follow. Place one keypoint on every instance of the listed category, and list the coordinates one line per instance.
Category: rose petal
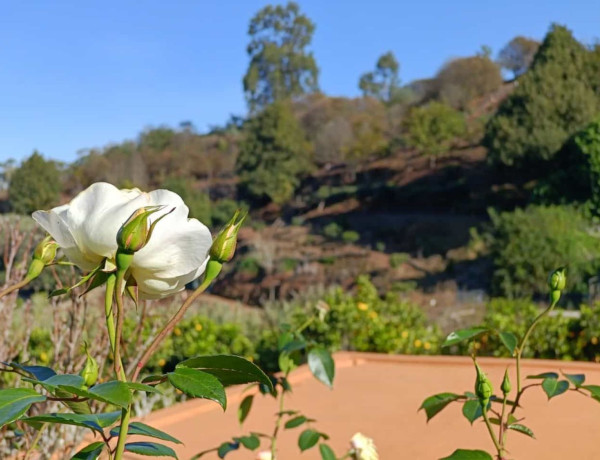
(152, 287)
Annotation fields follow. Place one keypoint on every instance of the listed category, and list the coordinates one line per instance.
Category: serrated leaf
(95, 422)
(576, 379)
(38, 372)
(326, 452)
(249, 442)
(308, 438)
(543, 375)
(553, 387)
(321, 365)
(114, 392)
(462, 335)
(227, 447)
(229, 369)
(472, 410)
(14, 402)
(296, 421)
(464, 454)
(198, 384)
(509, 340)
(89, 452)
(141, 429)
(151, 449)
(436, 403)
(142, 387)
(245, 407)
(521, 429)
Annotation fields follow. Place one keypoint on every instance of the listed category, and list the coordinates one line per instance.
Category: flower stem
(277, 424)
(14, 287)
(524, 340)
(210, 276)
(491, 431)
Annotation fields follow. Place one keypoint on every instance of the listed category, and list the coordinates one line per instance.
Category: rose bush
(86, 230)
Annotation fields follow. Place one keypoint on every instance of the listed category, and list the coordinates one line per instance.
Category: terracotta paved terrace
(379, 395)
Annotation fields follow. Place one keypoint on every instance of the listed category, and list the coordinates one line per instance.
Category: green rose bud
(506, 386)
(223, 247)
(43, 255)
(557, 281)
(483, 387)
(90, 370)
(135, 233)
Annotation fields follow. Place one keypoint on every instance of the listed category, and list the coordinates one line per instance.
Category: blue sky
(77, 75)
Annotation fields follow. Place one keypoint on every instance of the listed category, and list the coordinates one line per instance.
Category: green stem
(524, 340)
(307, 323)
(14, 287)
(114, 342)
(211, 274)
(277, 424)
(501, 432)
(491, 431)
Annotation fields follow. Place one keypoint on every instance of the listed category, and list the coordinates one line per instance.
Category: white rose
(264, 455)
(86, 230)
(363, 447)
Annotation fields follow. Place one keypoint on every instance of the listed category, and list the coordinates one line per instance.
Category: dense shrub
(367, 322)
(527, 244)
(34, 185)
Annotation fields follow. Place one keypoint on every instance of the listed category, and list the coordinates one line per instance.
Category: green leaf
(554, 387)
(250, 442)
(308, 438)
(296, 421)
(151, 449)
(244, 408)
(227, 447)
(141, 387)
(594, 391)
(294, 345)
(90, 452)
(521, 429)
(95, 422)
(198, 384)
(14, 402)
(326, 452)
(472, 410)
(509, 340)
(462, 335)
(38, 372)
(113, 392)
(52, 383)
(286, 362)
(229, 369)
(285, 338)
(576, 379)
(464, 454)
(436, 403)
(141, 429)
(544, 375)
(321, 365)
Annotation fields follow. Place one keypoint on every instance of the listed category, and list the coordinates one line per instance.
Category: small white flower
(264, 455)
(86, 230)
(363, 448)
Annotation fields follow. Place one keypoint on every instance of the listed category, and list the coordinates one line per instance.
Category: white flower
(363, 447)
(264, 455)
(86, 230)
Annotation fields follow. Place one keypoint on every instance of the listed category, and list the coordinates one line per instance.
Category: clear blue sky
(78, 74)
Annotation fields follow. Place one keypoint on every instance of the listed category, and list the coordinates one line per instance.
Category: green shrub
(249, 266)
(364, 321)
(332, 230)
(527, 244)
(350, 236)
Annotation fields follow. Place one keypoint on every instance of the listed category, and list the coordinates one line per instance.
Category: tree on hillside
(384, 82)
(553, 100)
(518, 55)
(433, 128)
(280, 67)
(464, 79)
(34, 185)
(273, 155)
